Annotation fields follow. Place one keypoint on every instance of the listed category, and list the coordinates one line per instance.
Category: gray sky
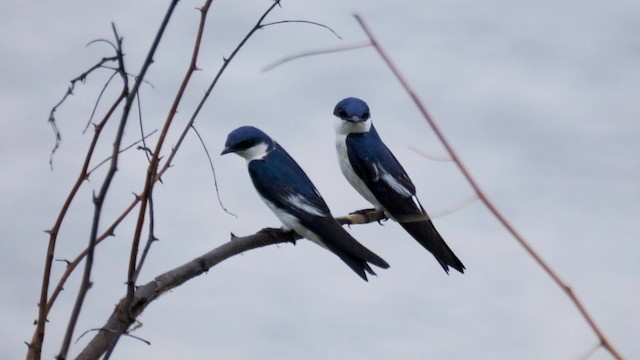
(539, 99)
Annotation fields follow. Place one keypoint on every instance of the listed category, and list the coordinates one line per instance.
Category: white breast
(352, 177)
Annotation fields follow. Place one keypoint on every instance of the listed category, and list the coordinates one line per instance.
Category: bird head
(249, 142)
(353, 116)
(352, 109)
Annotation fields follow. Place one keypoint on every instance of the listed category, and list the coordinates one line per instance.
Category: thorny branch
(52, 120)
(35, 346)
(98, 201)
(604, 342)
(123, 317)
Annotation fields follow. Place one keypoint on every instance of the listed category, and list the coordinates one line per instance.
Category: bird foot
(371, 215)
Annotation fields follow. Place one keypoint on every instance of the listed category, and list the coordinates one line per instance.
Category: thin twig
(485, 200)
(121, 151)
(464, 203)
(151, 238)
(303, 22)
(590, 352)
(72, 85)
(95, 105)
(103, 329)
(315, 52)
(430, 156)
(144, 143)
(213, 171)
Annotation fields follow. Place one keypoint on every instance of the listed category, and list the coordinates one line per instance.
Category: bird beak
(354, 119)
(226, 151)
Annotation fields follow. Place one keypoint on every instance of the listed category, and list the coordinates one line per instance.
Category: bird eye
(245, 144)
(365, 115)
(342, 113)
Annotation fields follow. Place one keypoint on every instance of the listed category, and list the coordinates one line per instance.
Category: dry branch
(127, 312)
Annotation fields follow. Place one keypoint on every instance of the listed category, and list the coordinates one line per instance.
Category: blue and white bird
(289, 193)
(375, 173)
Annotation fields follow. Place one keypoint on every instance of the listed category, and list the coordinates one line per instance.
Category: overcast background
(541, 100)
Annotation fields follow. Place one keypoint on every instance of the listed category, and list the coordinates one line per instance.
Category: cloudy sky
(540, 99)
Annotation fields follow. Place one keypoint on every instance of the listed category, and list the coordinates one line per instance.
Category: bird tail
(354, 254)
(361, 266)
(427, 235)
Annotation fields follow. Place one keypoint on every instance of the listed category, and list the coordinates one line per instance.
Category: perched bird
(375, 173)
(287, 190)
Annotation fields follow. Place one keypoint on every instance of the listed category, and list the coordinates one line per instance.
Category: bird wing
(381, 172)
(279, 179)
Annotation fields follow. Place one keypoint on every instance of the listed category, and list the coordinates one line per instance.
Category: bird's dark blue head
(244, 138)
(352, 109)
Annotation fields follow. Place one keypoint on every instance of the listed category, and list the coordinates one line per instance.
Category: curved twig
(303, 22)
(315, 52)
(213, 171)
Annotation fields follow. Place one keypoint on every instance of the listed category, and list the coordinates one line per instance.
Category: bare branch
(485, 200)
(123, 317)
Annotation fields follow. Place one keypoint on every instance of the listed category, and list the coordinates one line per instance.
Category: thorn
(48, 231)
(28, 345)
(233, 236)
(203, 265)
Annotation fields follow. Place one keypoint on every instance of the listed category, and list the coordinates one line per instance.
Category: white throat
(344, 127)
(255, 152)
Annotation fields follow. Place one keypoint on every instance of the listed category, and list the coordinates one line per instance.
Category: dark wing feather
(369, 157)
(278, 176)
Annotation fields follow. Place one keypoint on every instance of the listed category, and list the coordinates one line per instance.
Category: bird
(376, 174)
(289, 193)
